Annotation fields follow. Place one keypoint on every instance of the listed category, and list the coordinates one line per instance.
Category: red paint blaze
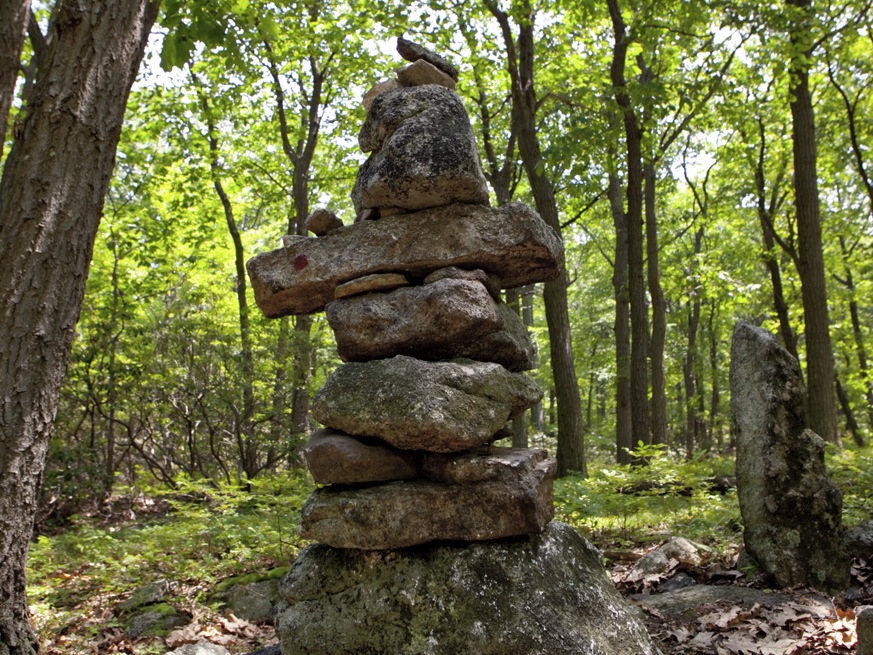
(300, 262)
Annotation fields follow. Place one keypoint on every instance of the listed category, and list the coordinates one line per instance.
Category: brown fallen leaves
(779, 629)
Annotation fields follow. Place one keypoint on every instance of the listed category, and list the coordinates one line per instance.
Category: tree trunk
(51, 197)
(571, 452)
(857, 333)
(247, 446)
(846, 406)
(623, 420)
(14, 15)
(692, 420)
(636, 282)
(659, 313)
(765, 218)
(821, 409)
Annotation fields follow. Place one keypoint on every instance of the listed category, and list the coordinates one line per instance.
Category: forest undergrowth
(199, 535)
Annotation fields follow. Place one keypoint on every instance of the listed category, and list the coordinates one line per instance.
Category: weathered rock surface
(418, 405)
(511, 242)
(421, 72)
(515, 500)
(336, 458)
(412, 51)
(369, 283)
(508, 465)
(859, 540)
(424, 153)
(677, 551)
(490, 282)
(446, 319)
(202, 647)
(545, 594)
(377, 90)
(322, 221)
(791, 510)
(864, 630)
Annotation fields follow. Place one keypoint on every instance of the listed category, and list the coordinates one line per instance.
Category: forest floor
(82, 573)
(715, 609)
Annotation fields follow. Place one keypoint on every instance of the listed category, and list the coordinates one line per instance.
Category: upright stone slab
(791, 510)
(545, 594)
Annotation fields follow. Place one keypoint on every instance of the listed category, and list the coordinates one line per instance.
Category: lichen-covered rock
(511, 242)
(156, 620)
(446, 319)
(424, 152)
(418, 405)
(378, 89)
(864, 630)
(202, 647)
(545, 594)
(859, 540)
(336, 458)
(791, 509)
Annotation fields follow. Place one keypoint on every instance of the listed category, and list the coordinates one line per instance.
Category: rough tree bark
(624, 442)
(658, 416)
(520, 63)
(13, 25)
(822, 409)
(51, 197)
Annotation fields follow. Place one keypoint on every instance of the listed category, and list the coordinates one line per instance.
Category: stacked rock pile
(433, 357)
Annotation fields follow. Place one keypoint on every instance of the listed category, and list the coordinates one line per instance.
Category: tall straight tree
(822, 409)
(51, 197)
(639, 392)
(520, 65)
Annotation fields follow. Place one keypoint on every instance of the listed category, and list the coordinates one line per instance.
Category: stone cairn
(433, 355)
(432, 371)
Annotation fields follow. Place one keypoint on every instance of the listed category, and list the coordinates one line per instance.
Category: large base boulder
(792, 524)
(546, 594)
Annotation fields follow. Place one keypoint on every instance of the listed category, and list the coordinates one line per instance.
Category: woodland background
(705, 162)
(244, 120)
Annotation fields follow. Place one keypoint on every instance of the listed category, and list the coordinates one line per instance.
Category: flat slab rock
(337, 458)
(412, 512)
(511, 242)
(417, 405)
(446, 319)
(545, 594)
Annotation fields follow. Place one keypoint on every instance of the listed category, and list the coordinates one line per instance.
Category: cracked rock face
(418, 405)
(424, 152)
